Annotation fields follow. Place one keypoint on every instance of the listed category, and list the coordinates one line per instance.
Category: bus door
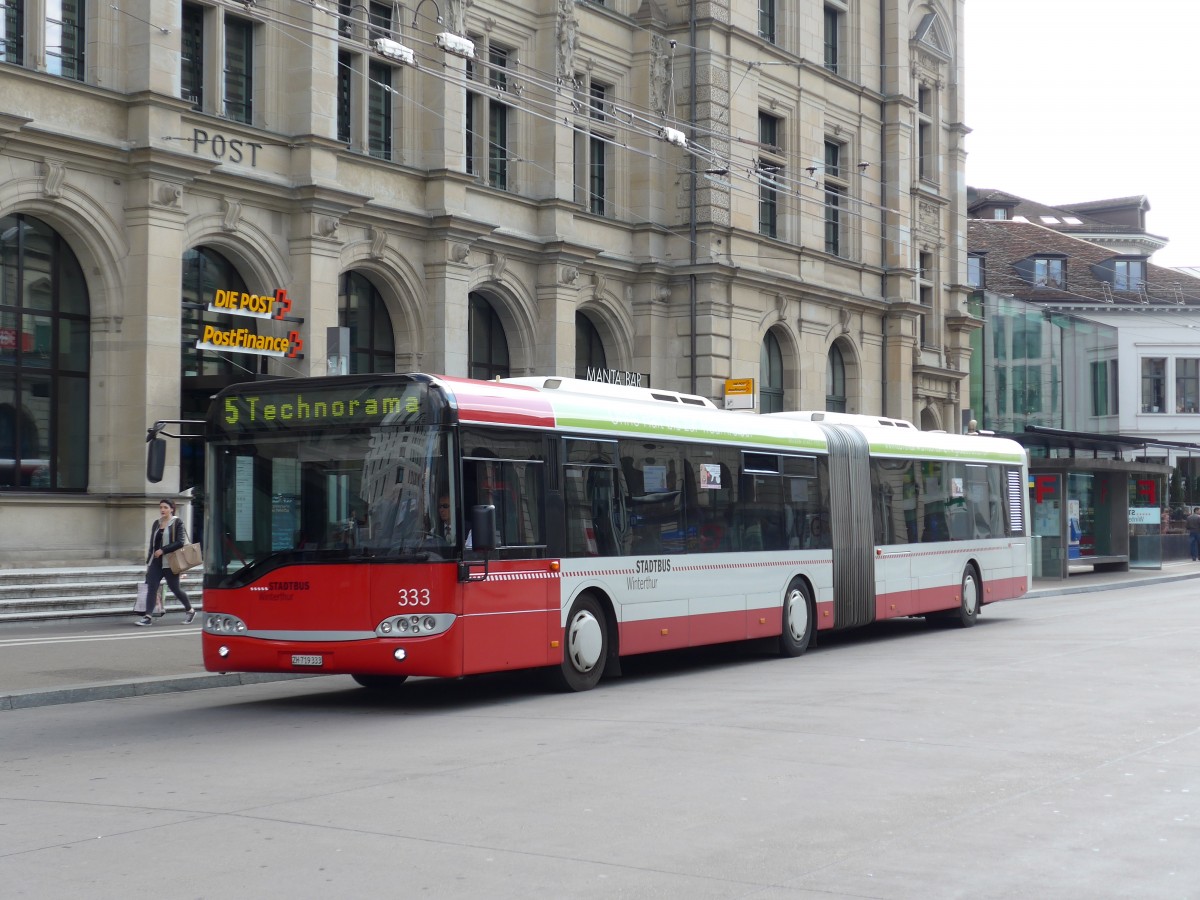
(509, 615)
(850, 514)
(895, 511)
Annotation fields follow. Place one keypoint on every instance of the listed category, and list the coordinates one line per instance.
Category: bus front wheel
(969, 595)
(798, 620)
(585, 646)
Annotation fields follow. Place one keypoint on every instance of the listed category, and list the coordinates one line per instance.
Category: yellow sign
(739, 393)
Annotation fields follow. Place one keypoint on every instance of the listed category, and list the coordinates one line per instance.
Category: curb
(120, 690)
(1066, 588)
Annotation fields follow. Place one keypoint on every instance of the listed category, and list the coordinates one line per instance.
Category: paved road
(73, 660)
(1051, 751)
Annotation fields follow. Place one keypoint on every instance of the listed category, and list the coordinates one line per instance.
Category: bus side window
(881, 507)
(595, 510)
(655, 504)
(712, 508)
(508, 473)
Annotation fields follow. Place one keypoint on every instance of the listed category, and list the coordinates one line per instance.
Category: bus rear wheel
(381, 683)
(969, 595)
(798, 619)
(585, 646)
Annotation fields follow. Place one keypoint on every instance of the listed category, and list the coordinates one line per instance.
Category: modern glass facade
(1031, 366)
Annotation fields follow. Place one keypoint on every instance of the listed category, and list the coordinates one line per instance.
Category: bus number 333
(413, 597)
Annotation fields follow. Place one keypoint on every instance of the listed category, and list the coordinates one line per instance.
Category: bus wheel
(798, 620)
(968, 607)
(585, 646)
(380, 682)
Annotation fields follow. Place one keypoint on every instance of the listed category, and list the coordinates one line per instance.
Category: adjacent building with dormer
(1083, 332)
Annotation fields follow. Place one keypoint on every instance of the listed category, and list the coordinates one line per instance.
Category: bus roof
(607, 410)
(583, 408)
(618, 414)
(625, 392)
(837, 418)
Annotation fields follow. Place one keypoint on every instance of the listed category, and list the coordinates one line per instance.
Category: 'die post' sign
(246, 340)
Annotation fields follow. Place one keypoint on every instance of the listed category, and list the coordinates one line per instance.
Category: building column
(448, 286)
(899, 346)
(558, 292)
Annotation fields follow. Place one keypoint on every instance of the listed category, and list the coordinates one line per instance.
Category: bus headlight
(221, 623)
(415, 626)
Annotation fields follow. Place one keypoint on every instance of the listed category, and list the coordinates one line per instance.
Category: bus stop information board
(739, 393)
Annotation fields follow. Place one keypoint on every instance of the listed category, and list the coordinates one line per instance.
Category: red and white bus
(384, 526)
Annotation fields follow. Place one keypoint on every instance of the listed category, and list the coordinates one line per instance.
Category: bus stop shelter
(1089, 505)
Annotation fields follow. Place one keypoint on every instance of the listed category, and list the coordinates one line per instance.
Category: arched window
(487, 346)
(589, 349)
(205, 271)
(362, 310)
(44, 360)
(770, 375)
(835, 381)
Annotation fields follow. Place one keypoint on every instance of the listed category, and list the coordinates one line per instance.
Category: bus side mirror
(156, 459)
(483, 528)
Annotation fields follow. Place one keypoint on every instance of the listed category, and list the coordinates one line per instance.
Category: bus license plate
(302, 660)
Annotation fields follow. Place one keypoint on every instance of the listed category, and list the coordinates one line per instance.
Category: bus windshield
(324, 495)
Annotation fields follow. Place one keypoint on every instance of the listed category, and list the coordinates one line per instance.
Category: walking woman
(166, 536)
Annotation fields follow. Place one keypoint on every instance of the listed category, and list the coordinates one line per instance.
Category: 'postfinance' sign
(245, 341)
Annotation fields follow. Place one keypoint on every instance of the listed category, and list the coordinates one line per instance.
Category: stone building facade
(690, 191)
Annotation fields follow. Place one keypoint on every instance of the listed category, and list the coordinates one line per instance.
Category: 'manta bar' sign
(244, 340)
(618, 376)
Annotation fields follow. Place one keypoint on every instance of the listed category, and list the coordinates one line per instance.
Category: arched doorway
(203, 373)
(361, 309)
(487, 344)
(770, 375)
(835, 380)
(589, 347)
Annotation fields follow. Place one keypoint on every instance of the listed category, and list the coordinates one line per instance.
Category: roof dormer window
(1050, 272)
(1129, 274)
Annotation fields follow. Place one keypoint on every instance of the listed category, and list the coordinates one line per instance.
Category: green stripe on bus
(982, 455)
(609, 426)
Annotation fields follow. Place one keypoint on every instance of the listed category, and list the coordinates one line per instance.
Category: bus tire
(585, 646)
(381, 683)
(969, 596)
(798, 619)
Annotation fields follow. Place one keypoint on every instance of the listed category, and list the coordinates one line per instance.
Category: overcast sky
(1076, 100)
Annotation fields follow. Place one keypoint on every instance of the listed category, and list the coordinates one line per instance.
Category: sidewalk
(1084, 581)
(104, 644)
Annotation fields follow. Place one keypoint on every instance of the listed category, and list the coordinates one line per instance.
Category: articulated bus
(388, 526)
